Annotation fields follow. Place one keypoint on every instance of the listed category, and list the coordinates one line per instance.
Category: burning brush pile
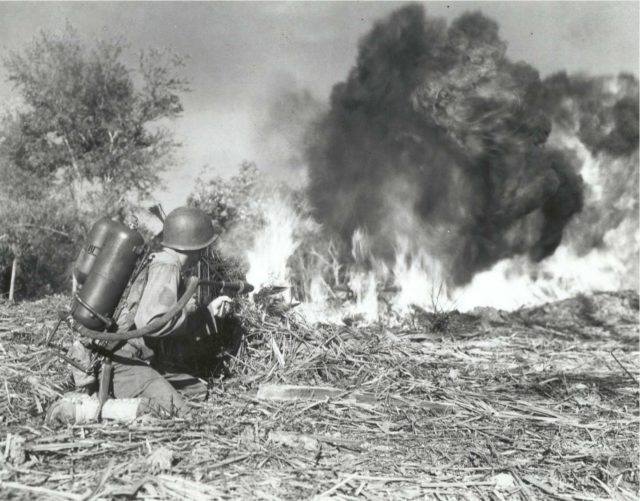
(457, 178)
(460, 306)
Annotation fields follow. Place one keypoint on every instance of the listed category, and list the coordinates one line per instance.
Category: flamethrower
(232, 288)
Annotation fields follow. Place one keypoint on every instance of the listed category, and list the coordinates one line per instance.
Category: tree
(89, 139)
(235, 207)
(245, 205)
(36, 235)
(231, 201)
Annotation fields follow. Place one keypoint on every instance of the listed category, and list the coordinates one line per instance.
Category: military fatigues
(135, 369)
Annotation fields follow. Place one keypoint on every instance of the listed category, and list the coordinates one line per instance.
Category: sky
(239, 54)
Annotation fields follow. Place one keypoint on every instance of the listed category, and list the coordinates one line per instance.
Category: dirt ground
(540, 403)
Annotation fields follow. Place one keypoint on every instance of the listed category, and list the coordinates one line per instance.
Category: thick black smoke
(436, 136)
(282, 125)
(602, 112)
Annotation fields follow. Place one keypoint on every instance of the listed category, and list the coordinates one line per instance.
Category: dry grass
(540, 403)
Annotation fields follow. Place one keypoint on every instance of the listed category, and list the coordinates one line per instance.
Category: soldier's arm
(159, 296)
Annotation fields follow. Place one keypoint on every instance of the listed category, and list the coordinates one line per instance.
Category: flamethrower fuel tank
(108, 276)
(98, 235)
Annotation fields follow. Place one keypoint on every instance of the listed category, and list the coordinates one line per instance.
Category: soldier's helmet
(188, 229)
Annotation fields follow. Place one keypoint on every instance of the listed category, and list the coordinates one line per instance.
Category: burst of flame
(273, 245)
(418, 278)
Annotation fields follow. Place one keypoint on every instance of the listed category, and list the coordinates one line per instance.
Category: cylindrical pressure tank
(95, 241)
(108, 278)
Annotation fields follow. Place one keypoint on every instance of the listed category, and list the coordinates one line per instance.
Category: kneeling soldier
(155, 291)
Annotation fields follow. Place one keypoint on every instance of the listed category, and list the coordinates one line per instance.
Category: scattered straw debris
(538, 403)
(160, 460)
(14, 451)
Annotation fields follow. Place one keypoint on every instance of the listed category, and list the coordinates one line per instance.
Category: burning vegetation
(442, 171)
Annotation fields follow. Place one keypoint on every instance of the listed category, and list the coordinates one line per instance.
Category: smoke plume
(597, 118)
(283, 118)
(436, 136)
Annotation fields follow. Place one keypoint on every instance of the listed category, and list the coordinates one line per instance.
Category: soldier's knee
(162, 395)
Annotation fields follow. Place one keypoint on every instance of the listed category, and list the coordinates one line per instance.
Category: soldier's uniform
(136, 370)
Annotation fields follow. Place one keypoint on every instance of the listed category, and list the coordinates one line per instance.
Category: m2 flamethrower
(112, 257)
(227, 288)
(231, 288)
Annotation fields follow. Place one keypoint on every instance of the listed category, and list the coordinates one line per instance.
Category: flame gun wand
(227, 288)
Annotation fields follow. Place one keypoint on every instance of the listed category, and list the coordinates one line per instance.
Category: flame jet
(437, 137)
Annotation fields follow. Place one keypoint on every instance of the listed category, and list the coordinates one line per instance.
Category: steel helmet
(187, 229)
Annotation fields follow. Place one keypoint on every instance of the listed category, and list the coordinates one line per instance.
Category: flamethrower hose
(154, 325)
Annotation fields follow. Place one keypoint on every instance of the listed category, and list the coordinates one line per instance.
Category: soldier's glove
(220, 307)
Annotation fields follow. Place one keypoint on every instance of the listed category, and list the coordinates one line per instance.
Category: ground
(541, 403)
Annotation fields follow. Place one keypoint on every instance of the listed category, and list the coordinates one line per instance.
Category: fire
(273, 244)
(379, 290)
(419, 278)
(464, 179)
(571, 270)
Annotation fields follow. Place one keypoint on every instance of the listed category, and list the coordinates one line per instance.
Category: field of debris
(541, 403)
